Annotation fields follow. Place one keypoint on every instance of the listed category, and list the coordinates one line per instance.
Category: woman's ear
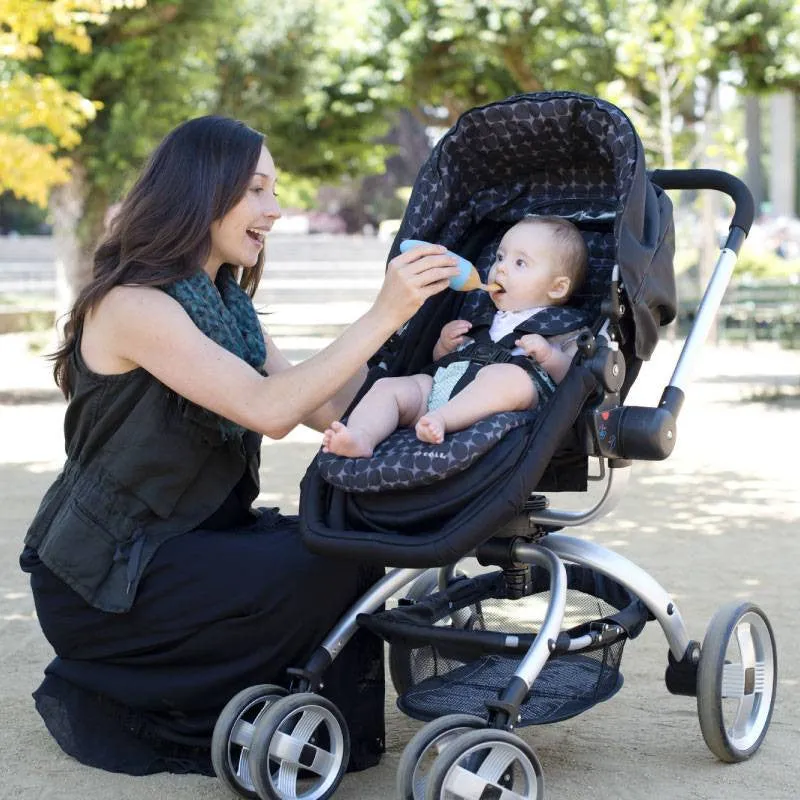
(559, 288)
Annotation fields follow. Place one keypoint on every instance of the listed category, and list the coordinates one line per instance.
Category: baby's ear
(559, 288)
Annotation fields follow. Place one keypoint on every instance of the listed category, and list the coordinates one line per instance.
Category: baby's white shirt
(505, 321)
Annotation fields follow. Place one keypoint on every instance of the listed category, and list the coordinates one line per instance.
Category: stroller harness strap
(481, 351)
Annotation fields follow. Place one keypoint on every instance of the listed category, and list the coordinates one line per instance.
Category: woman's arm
(333, 409)
(141, 326)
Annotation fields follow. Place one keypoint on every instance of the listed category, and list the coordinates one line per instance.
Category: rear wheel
(736, 681)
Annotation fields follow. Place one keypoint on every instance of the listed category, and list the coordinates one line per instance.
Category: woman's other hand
(411, 278)
(452, 336)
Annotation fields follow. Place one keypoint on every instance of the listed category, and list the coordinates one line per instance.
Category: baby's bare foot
(344, 441)
(430, 428)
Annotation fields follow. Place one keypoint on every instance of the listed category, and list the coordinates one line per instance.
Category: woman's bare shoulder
(132, 299)
(120, 317)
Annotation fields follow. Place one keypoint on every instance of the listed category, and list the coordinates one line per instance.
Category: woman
(161, 590)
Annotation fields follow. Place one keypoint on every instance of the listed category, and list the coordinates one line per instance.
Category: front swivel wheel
(424, 747)
(736, 681)
(233, 736)
(300, 749)
(486, 763)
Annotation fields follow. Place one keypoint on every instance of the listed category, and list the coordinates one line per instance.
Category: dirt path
(717, 521)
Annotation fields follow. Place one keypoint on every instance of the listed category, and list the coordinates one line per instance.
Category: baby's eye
(521, 263)
(499, 257)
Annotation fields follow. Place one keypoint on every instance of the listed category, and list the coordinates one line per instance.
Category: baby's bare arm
(451, 337)
(553, 360)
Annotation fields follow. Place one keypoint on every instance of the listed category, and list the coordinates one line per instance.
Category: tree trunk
(665, 118)
(784, 157)
(72, 262)
(710, 206)
(755, 173)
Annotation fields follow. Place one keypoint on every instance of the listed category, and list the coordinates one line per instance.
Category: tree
(39, 117)
(149, 68)
(300, 73)
(312, 76)
(451, 55)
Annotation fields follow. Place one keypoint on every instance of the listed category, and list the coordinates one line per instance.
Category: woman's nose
(273, 207)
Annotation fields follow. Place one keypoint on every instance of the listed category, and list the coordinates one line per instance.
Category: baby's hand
(535, 346)
(554, 361)
(451, 337)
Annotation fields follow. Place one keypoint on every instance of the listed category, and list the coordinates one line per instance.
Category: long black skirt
(216, 612)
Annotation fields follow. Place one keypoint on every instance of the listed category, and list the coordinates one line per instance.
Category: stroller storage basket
(455, 649)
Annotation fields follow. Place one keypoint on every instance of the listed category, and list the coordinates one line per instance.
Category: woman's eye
(256, 189)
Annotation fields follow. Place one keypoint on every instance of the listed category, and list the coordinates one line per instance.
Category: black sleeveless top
(138, 472)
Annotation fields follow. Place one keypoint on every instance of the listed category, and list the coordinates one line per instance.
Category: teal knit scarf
(224, 312)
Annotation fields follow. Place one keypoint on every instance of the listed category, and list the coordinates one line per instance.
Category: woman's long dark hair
(161, 232)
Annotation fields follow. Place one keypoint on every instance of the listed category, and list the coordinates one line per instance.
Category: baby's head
(540, 262)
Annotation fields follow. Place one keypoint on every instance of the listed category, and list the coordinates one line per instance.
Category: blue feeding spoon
(467, 278)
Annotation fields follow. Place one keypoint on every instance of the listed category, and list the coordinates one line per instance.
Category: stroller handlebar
(744, 207)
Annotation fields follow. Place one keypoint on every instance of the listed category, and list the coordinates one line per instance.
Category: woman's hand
(451, 337)
(411, 278)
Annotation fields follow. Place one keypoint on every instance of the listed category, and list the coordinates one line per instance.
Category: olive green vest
(139, 471)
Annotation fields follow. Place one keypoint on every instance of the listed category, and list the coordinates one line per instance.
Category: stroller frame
(266, 742)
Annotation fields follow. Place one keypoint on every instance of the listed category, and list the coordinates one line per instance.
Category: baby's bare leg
(496, 387)
(389, 404)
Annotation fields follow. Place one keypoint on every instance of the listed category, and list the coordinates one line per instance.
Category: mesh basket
(453, 650)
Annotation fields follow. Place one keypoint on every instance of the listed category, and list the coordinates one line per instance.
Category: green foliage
(757, 262)
(38, 115)
(760, 41)
(150, 68)
(311, 76)
(19, 215)
(322, 77)
(450, 55)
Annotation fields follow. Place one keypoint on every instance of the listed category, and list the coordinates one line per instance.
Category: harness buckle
(490, 354)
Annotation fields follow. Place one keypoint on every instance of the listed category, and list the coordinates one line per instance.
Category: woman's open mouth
(257, 235)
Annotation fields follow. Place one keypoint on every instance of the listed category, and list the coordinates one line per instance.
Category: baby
(539, 263)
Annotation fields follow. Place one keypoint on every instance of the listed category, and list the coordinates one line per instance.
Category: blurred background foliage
(352, 92)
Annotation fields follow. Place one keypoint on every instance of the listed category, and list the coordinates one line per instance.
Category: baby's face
(527, 268)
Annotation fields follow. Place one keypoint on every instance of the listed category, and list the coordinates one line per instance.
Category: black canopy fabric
(553, 153)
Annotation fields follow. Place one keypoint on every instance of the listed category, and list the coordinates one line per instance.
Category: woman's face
(238, 237)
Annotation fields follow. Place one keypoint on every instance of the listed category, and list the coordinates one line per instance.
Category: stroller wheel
(736, 681)
(425, 746)
(486, 763)
(300, 749)
(233, 734)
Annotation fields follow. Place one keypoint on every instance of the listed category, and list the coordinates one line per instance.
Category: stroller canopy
(553, 153)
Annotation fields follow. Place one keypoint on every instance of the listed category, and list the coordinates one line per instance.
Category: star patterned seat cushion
(404, 462)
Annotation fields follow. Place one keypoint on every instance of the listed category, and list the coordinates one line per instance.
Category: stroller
(539, 636)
